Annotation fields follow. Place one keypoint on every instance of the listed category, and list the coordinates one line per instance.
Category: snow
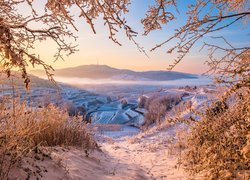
(127, 152)
(123, 131)
(198, 100)
(102, 101)
(103, 117)
(131, 114)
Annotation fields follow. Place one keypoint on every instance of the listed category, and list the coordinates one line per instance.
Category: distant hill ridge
(18, 81)
(107, 72)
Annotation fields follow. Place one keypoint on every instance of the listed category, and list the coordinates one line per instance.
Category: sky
(99, 49)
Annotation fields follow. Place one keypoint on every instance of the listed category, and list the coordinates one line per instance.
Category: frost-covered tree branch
(18, 34)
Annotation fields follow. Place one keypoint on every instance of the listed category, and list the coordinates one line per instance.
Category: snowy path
(149, 155)
(126, 153)
(138, 157)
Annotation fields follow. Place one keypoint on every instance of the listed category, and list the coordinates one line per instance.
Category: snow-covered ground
(127, 152)
(132, 155)
(112, 102)
(120, 131)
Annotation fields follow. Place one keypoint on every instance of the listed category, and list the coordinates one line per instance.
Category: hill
(107, 72)
(16, 80)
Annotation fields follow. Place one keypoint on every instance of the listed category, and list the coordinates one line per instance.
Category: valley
(106, 103)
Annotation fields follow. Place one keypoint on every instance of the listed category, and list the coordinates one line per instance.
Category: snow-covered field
(112, 102)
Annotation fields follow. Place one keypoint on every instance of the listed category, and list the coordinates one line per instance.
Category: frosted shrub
(219, 143)
(157, 108)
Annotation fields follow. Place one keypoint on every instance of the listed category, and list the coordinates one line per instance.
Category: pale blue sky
(98, 48)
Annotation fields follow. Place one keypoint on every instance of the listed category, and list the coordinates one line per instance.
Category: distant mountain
(106, 72)
(17, 80)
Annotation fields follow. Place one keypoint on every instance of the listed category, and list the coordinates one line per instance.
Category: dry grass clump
(24, 130)
(220, 143)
